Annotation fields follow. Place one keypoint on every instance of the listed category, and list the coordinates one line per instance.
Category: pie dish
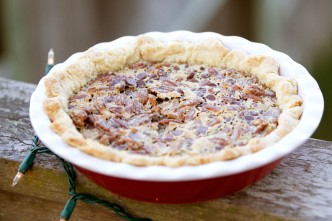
(184, 184)
(171, 103)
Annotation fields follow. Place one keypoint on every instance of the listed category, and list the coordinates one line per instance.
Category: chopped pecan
(131, 81)
(180, 91)
(78, 116)
(169, 82)
(211, 97)
(142, 95)
(237, 87)
(139, 65)
(82, 95)
(167, 121)
(159, 65)
(175, 67)
(190, 103)
(102, 126)
(153, 101)
(187, 114)
(120, 123)
(140, 119)
(270, 93)
(105, 139)
(260, 125)
(162, 89)
(254, 90)
(220, 141)
(214, 122)
(140, 83)
(142, 75)
(191, 75)
(100, 105)
(251, 96)
(210, 108)
(212, 71)
(130, 143)
(201, 129)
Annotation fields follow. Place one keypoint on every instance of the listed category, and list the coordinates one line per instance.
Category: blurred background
(301, 29)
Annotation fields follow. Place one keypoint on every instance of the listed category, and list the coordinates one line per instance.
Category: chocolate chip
(176, 68)
(211, 97)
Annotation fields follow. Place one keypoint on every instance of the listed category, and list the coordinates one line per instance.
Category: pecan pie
(171, 103)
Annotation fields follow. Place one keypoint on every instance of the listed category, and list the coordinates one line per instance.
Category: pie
(174, 103)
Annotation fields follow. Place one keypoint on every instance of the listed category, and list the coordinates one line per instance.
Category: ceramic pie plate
(187, 184)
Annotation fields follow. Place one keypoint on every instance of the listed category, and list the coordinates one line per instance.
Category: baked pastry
(171, 103)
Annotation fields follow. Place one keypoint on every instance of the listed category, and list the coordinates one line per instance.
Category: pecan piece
(142, 95)
(191, 75)
(167, 121)
(140, 119)
(139, 65)
(100, 105)
(162, 89)
(254, 90)
(211, 97)
(220, 141)
(142, 75)
(130, 143)
(131, 81)
(210, 108)
(260, 125)
(120, 123)
(212, 71)
(78, 116)
(237, 87)
(187, 114)
(214, 122)
(169, 82)
(153, 102)
(102, 126)
(190, 103)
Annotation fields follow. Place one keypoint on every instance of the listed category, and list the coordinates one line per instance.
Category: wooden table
(299, 189)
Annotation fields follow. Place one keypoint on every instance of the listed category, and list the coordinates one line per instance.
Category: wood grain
(299, 189)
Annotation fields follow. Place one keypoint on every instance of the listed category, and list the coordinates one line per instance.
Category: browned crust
(60, 85)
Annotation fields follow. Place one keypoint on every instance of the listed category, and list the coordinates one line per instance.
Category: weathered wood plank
(299, 189)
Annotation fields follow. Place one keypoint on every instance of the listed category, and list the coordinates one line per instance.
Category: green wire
(71, 174)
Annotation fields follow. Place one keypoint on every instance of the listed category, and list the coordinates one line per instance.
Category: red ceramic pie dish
(187, 184)
(176, 192)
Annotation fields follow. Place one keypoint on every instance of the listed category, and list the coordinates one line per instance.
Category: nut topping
(161, 108)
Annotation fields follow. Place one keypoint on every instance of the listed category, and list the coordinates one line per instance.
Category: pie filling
(163, 109)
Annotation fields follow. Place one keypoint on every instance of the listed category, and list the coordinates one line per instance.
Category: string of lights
(68, 168)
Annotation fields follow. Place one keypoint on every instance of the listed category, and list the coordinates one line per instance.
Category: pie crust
(61, 85)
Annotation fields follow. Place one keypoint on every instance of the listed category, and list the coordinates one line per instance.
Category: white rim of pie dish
(313, 106)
